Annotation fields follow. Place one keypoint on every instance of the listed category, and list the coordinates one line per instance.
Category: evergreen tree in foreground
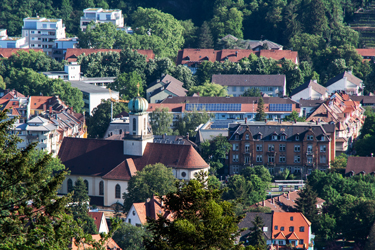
(306, 203)
(256, 236)
(200, 219)
(261, 115)
(205, 39)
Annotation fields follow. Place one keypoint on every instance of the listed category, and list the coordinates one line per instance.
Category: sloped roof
(280, 54)
(38, 120)
(310, 103)
(150, 209)
(314, 85)
(71, 55)
(366, 52)
(37, 102)
(359, 164)
(240, 99)
(7, 52)
(109, 244)
(249, 80)
(247, 222)
(171, 84)
(353, 79)
(172, 107)
(97, 216)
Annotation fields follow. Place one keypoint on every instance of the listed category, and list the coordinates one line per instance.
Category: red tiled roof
(359, 164)
(72, 54)
(292, 236)
(109, 244)
(366, 52)
(97, 216)
(150, 209)
(280, 54)
(120, 172)
(7, 52)
(141, 211)
(172, 107)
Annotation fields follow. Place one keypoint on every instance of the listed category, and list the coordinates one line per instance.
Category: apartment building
(11, 42)
(61, 46)
(99, 15)
(300, 147)
(41, 32)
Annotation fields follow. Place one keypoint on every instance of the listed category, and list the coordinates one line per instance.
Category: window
(283, 137)
(52, 26)
(183, 174)
(276, 227)
(323, 159)
(247, 159)
(322, 138)
(323, 148)
(235, 147)
(274, 137)
(247, 148)
(259, 158)
(32, 32)
(235, 158)
(282, 147)
(302, 229)
(271, 158)
(297, 137)
(291, 229)
(242, 89)
(297, 159)
(301, 242)
(145, 125)
(101, 188)
(87, 185)
(282, 158)
(117, 191)
(130, 221)
(259, 147)
(44, 26)
(133, 212)
(237, 137)
(297, 148)
(234, 89)
(281, 242)
(309, 148)
(70, 185)
(108, 17)
(281, 228)
(291, 218)
(309, 159)
(134, 124)
(271, 147)
(310, 137)
(247, 136)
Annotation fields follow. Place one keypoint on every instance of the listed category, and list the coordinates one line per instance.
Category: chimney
(50, 110)
(317, 122)
(265, 120)
(163, 136)
(44, 107)
(372, 154)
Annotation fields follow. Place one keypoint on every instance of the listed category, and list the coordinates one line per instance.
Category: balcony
(310, 153)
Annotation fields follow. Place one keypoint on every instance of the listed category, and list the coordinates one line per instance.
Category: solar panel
(213, 106)
(280, 107)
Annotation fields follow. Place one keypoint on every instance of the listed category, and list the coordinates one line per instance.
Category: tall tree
(209, 89)
(161, 121)
(205, 39)
(201, 220)
(261, 115)
(306, 203)
(256, 235)
(80, 207)
(131, 237)
(154, 179)
(129, 85)
(98, 36)
(214, 152)
(189, 121)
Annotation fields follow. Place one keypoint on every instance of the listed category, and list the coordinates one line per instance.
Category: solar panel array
(213, 106)
(280, 107)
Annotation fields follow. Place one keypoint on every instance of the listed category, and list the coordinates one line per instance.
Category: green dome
(138, 105)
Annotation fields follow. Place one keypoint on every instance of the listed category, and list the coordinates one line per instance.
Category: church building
(106, 166)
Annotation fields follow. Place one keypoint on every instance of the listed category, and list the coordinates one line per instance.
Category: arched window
(101, 188)
(118, 192)
(70, 185)
(145, 125)
(134, 124)
(87, 185)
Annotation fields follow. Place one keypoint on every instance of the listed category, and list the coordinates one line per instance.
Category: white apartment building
(41, 32)
(11, 42)
(99, 15)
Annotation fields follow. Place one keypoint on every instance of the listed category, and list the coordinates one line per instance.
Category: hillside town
(236, 125)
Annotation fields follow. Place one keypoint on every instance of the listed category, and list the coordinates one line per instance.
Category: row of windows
(282, 147)
(101, 188)
(282, 159)
(281, 242)
(234, 88)
(282, 137)
(291, 229)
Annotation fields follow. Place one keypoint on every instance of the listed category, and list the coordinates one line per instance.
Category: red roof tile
(7, 52)
(72, 54)
(359, 164)
(97, 216)
(280, 54)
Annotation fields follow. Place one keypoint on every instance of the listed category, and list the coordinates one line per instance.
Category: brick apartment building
(300, 147)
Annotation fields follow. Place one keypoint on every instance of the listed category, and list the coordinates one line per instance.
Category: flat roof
(54, 73)
(89, 88)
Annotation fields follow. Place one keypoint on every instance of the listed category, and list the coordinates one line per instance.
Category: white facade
(309, 94)
(99, 15)
(269, 90)
(132, 217)
(345, 85)
(42, 33)
(12, 42)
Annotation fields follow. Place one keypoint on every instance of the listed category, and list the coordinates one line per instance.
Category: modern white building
(347, 82)
(12, 42)
(41, 32)
(99, 15)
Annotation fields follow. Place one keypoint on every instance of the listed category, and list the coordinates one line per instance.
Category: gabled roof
(314, 85)
(247, 222)
(150, 209)
(359, 164)
(292, 236)
(249, 80)
(171, 84)
(310, 103)
(71, 55)
(240, 99)
(97, 216)
(7, 52)
(353, 79)
(37, 102)
(38, 120)
(108, 245)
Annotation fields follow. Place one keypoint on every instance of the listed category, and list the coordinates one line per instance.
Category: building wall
(103, 228)
(269, 90)
(161, 96)
(96, 98)
(307, 94)
(133, 216)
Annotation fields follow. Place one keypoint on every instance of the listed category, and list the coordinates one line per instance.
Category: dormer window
(297, 137)
(237, 137)
(283, 137)
(274, 137)
(322, 138)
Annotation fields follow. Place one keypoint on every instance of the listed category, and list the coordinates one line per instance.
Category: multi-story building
(300, 147)
(99, 15)
(61, 46)
(41, 32)
(272, 85)
(347, 82)
(12, 42)
(310, 90)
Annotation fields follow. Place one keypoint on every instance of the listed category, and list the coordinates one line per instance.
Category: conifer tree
(306, 203)
(205, 40)
(256, 236)
(261, 115)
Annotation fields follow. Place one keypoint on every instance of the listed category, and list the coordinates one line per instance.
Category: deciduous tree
(129, 85)
(161, 121)
(191, 120)
(209, 89)
(131, 237)
(214, 152)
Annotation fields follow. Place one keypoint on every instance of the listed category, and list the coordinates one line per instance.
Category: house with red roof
(100, 222)
(108, 165)
(109, 244)
(7, 52)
